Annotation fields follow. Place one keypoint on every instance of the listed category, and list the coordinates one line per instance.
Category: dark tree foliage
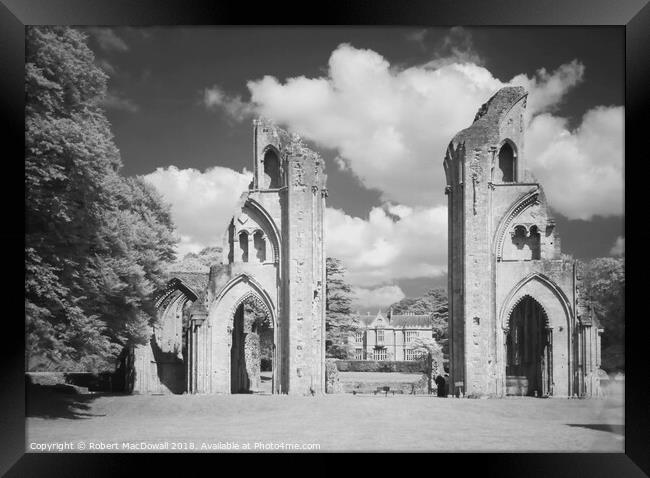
(433, 302)
(96, 243)
(339, 320)
(603, 286)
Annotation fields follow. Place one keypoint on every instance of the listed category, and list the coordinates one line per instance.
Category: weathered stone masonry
(517, 323)
(273, 253)
(506, 271)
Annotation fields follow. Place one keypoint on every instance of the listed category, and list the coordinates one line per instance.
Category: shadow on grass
(617, 429)
(59, 401)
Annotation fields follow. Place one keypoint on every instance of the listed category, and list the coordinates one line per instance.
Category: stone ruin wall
(483, 265)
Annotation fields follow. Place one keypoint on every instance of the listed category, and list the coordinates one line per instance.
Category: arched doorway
(529, 367)
(222, 336)
(252, 348)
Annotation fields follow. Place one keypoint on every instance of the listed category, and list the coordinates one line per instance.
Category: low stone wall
(380, 366)
(371, 383)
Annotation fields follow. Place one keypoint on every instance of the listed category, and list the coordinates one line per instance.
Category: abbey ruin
(517, 325)
(206, 341)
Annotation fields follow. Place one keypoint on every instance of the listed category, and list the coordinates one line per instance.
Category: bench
(384, 389)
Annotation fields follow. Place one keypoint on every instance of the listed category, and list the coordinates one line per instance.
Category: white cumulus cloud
(202, 203)
(390, 125)
(581, 170)
(379, 297)
(384, 122)
(395, 242)
(548, 90)
(214, 98)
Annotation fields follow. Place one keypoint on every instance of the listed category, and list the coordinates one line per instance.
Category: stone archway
(550, 307)
(159, 365)
(529, 364)
(251, 346)
(227, 340)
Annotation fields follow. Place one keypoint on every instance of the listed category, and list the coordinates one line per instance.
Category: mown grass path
(341, 422)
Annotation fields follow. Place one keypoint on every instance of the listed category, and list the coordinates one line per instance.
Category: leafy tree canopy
(199, 261)
(603, 288)
(339, 320)
(433, 302)
(96, 243)
(432, 352)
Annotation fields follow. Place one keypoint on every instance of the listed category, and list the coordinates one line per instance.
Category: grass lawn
(334, 422)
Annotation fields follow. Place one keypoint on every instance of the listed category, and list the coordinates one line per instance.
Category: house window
(410, 354)
(358, 337)
(411, 335)
(358, 354)
(380, 336)
(379, 354)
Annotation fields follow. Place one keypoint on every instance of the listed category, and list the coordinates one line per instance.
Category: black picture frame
(631, 15)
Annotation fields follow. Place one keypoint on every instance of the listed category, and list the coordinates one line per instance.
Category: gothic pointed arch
(221, 326)
(507, 157)
(524, 202)
(255, 297)
(544, 291)
(272, 164)
(174, 285)
(266, 222)
(237, 290)
(519, 300)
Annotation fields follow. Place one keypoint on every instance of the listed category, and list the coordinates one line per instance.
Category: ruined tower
(273, 252)
(513, 324)
(273, 255)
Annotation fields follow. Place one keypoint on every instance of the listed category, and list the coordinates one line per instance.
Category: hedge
(93, 382)
(403, 366)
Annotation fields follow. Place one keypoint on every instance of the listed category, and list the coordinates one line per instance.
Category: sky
(380, 105)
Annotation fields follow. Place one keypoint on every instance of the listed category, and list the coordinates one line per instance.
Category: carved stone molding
(530, 199)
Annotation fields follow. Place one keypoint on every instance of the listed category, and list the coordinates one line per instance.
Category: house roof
(405, 320)
(396, 321)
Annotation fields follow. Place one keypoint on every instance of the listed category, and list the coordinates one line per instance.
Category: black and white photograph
(324, 239)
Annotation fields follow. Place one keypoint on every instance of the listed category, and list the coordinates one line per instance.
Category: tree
(198, 262)
(431, 351)
(603, 287)
(96, 243)
(339, 320)
(433, 302)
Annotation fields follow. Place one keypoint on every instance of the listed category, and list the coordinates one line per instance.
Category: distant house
(390, 338)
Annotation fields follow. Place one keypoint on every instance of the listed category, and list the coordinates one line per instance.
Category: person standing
(441, 384)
